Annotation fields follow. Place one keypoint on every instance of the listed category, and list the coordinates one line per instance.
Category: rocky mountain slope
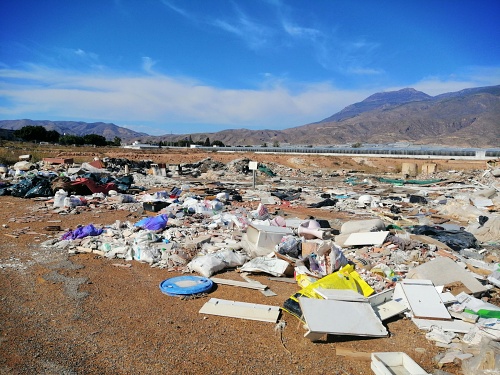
(470, 118)
(466, 118)
(109, 131)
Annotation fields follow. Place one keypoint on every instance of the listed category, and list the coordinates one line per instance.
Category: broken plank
(283, 279)
(314, 336)
(366, 238)
(459, 326)
(242, 284)
(389, 309)
(341, 295)
(423, 299)
(242, 310)
(83, 249)
(266, 292)
(341, 317)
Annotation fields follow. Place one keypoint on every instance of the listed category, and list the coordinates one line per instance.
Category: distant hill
(109, 131)
(379, 100)
(466, 118)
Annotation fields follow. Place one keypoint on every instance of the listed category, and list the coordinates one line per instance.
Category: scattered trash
(395, 363)
(426, 248)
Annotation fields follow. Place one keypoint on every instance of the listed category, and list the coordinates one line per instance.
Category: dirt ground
(84, 314)
(326, 163)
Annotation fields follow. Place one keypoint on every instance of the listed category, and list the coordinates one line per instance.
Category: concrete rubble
(399, 238)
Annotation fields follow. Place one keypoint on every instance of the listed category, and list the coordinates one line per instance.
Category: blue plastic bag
(153, 222)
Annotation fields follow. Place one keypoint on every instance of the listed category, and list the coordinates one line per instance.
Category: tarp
(414, 182)
(93, 186)
(456, 239)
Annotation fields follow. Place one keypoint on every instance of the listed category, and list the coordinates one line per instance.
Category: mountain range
(466, 118)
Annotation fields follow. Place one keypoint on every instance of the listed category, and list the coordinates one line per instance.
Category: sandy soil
(83, 314)
(308, 162)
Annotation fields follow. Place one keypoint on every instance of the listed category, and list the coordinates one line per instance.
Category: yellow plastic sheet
(345, 278)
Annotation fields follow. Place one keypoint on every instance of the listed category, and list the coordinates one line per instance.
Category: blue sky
(187, 66)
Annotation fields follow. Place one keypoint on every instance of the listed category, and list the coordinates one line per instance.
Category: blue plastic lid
(185, 285)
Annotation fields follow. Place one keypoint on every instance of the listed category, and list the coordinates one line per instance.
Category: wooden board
(266, 291)
(389, 309)
(456, 325)
(242, 284)
(341, 295)
(290, 280)
(423, 300)
(242, 310)
(341, 318)
(366, 238)
(380, 298)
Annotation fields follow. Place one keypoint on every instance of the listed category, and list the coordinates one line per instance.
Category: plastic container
(74, 201)
(59, 198)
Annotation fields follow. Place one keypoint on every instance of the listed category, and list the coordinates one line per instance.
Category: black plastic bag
(482, 220)
(122, 188)
(456, 239)
(326, 203)
(417, 199)
(42, 189)
(106, 180)
(125, 180)
(22, 187)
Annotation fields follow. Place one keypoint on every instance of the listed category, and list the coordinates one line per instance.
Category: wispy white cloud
(279, 29)
(178, 105)
(183, 12)
(299, 31)
(255, 34)
(70, 57)
(468, 77)
(239, 24)
(147, 64)
(161, 99)
(348, 55)
(356, 70)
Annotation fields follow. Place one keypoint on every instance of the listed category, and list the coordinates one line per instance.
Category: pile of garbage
(428, 251)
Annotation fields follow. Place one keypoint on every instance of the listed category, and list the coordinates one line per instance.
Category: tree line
(40, 134)
(188, 141)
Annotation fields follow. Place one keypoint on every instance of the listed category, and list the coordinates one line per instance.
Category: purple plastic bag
(81, 232)
(153, 222)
